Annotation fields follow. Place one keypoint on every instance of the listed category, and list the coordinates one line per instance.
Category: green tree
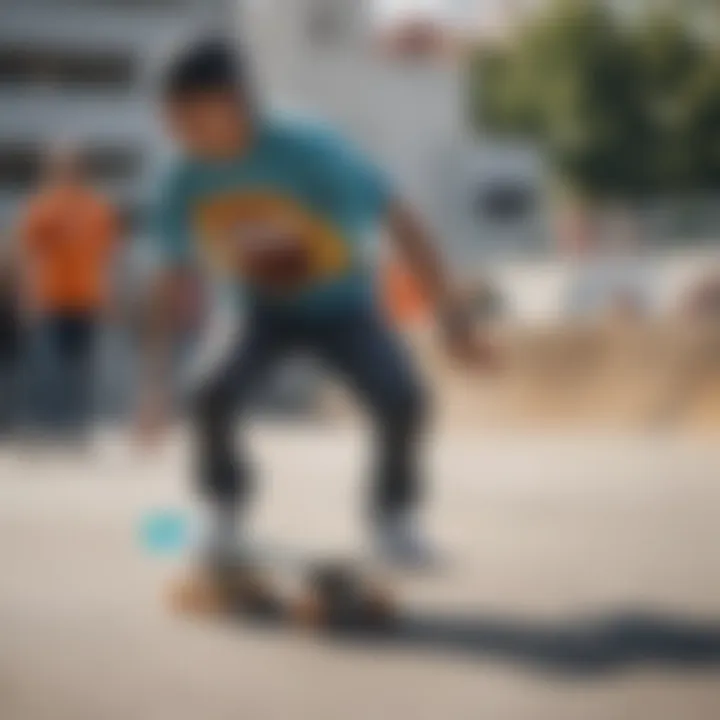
(622, 109)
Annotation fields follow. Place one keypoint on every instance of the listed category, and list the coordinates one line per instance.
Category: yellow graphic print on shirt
(269, 241)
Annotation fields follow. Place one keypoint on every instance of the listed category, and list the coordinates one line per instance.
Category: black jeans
(357, 346)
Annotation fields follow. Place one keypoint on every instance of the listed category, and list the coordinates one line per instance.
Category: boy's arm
(419, 250)
(158, 342)
(159, 330)
(160, 314)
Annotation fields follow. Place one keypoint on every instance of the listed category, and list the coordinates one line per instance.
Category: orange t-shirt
(69, 237)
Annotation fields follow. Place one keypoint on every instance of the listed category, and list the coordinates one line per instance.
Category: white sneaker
(223, 540)
(399, 542)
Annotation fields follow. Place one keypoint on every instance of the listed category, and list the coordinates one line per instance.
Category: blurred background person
(10, 342)
(68, 236)
(612, 276)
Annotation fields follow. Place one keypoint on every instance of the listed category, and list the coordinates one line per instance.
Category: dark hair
(211, 63)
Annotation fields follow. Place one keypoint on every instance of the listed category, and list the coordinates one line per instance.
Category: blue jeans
(66, 370)
(363, 352)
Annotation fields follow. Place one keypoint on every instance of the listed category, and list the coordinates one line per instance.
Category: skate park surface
(580, 581)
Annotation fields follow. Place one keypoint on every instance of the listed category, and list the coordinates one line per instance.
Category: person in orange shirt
(68, 236)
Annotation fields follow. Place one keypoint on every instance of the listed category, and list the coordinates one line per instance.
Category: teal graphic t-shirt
(287, 222)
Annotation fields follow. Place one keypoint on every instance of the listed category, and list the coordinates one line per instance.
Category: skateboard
(323, 596)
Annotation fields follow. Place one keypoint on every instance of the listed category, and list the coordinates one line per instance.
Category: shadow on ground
(580, 647)
(590, 646)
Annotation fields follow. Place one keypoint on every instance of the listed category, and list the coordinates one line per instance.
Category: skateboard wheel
(252, 593)
(379, 606)
(197, 596)
(345, 599)
(309, 612)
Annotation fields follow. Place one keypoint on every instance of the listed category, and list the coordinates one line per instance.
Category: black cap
(211, 63)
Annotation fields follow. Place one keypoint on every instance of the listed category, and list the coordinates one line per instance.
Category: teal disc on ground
(164, 532)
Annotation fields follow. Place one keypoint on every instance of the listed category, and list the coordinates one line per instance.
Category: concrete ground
(582, 582)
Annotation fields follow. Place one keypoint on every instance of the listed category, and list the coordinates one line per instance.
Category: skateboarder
(283, 208)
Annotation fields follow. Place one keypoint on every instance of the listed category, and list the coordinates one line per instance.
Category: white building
(76, 70)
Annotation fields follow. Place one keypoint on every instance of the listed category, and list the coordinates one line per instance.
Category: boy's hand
(473, 350)
(461, 337)
(464, 342)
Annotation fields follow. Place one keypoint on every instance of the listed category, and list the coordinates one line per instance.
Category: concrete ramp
(664, 377)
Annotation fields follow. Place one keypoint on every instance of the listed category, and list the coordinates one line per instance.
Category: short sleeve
(347, 179)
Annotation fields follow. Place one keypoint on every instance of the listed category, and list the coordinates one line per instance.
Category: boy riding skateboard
(284, 209)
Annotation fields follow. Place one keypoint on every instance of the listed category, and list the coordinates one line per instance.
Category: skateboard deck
(323, 595)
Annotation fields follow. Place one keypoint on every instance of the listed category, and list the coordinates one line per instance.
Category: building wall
(53, 86)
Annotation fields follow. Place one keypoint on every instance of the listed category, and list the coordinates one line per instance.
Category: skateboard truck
(339, 598)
